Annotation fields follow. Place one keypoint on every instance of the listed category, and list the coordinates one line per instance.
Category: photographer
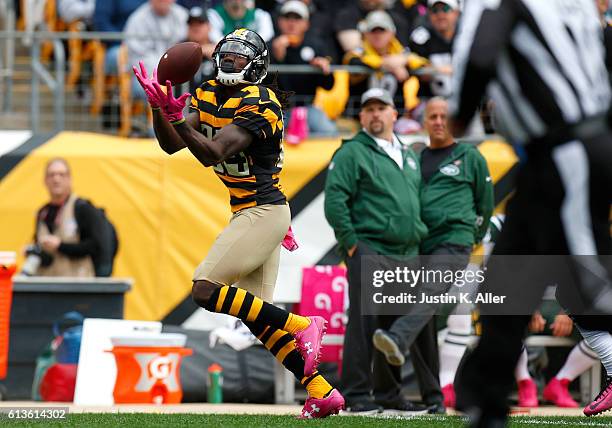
(65, 235)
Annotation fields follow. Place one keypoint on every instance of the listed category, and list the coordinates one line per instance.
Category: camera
(32, 260)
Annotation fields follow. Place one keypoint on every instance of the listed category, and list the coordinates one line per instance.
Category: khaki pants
(247, 252)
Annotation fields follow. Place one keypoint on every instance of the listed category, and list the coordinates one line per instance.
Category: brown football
(179, 63)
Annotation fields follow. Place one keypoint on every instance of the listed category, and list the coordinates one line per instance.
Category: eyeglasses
(440, 7)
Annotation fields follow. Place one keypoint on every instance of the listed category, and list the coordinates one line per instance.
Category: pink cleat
(527, 393)
(602, 402)
(308, 343)
(557, 392)
(316, 408)
(450, 399)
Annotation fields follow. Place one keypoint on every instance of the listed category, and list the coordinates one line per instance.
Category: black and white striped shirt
(541, 61)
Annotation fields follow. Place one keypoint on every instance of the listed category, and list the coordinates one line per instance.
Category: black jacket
(88, 223)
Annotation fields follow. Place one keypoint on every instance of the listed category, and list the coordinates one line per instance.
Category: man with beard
(372, 203)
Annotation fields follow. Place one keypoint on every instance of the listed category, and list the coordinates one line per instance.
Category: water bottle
(214, 385)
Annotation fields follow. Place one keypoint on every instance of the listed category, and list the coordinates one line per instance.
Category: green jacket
(369, 198)
(230, 24)
(457, 202)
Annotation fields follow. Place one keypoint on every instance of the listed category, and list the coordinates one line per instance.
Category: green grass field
(125, 420)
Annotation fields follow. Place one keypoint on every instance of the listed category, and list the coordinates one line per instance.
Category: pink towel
(324, 293)
(297, 129)
(289, 241)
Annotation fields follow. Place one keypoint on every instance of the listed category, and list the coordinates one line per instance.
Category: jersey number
(236, 166)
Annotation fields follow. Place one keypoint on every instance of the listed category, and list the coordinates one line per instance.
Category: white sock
(450, 357)
(521, 372)
(579, 360)
(600, 342)
(451, 351)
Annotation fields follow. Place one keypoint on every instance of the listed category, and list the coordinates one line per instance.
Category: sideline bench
(284, 382)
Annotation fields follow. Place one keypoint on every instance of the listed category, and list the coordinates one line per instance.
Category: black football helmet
(247, 44)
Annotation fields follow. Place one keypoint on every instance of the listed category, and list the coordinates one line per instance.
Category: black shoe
(363, 408)
(403, 407)
(386, 344)
(436, 409)
(476, 419)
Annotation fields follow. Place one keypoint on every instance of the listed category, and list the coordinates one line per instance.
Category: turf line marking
(558, 422)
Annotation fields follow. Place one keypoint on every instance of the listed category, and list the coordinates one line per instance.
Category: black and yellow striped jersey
(250, 176)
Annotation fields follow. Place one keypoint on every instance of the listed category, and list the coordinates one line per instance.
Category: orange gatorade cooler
(7, 270)
(148, 368)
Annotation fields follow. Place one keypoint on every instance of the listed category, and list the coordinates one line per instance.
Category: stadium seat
(333, 101)
(104, 84)
(410, 91)
(42, 12)
(78, 51)
(98, 51)
(54, 23)
(128, 107)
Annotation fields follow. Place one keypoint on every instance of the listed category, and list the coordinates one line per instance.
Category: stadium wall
(169, 209)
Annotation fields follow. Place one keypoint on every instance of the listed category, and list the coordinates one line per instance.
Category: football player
(581, 358)
(236, 127)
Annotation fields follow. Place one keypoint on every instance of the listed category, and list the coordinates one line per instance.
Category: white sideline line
(559, 422)
(520, 420)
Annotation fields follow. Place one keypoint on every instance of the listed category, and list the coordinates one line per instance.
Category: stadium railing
(7, 53)
(60, 90)
(53, 102)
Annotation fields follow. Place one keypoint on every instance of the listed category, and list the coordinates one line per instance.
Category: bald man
(456, 205)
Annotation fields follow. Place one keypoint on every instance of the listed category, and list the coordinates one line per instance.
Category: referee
(542, 63)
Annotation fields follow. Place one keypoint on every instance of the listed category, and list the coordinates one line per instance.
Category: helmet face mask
(233, 49)
(232, 63)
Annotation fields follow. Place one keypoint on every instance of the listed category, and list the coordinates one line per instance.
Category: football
(179, 63)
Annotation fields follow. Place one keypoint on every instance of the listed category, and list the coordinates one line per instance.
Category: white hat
(377, 19)
(377, 94)
(454, 4)
(295, 6)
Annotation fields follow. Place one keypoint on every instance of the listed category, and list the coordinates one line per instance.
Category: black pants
(416, 331)
(426, 362)
(366, 375)
(561, 206)
(364, 371)
(447, 257)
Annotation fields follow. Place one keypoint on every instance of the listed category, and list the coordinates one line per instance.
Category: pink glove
(147, 84)
(289, 241)
(171, 107)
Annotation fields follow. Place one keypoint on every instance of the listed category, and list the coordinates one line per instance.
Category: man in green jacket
(457, 197)
(456, 205)
(372, 203)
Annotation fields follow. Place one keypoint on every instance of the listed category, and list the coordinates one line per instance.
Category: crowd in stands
(405, 44)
